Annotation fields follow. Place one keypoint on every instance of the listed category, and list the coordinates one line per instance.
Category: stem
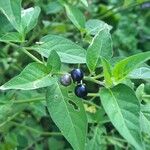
(43, 60)
(90, 103)
(31, 56)
(119, 9)
(60, 73)
(93, 94)
(26, 52)
(146, 96)
(98, 76)
(36, 140)
(115, 138)
(93, 80)
(38, 99)
(36, 131)
(28, 48)
(13, 44)
(105, 121)
(8, 119)
(79, 65)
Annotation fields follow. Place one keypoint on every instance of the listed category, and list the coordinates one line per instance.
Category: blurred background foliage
(28, 126)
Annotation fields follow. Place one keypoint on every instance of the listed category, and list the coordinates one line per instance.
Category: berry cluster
(77, 76)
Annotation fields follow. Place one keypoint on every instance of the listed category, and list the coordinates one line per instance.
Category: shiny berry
(81, 91)
(65, 80)
(77, 75)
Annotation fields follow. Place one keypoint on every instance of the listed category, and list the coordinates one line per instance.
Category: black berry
(81, 91)
(77, 75)
(65, 80)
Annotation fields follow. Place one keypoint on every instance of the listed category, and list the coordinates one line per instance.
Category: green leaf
(29, 18)
(54, 62)
(127, 3)
(11, 37)
(12, 10)
(145, 118)
(107, 72)
(67, 50)
(97, 141)
(23, 21)
(125, 66)
(53, 7)
(123, 109)
(140, 73)
(93, 26)
(56, 144)
(76, 16)
(34, 76)
(8, 111)
(68, 114)
(101, 46)
(85, 2)
(5, 25)
(95, 115)
(5, 110)
(140, 92)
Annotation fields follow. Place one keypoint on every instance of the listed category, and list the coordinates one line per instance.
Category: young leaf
(125, 66)
(54, 62)
(123, 109)
(68, 51)
(11, 9)
(34, 76)
(140, 73)
(107, 72)
(68, 114)
(76, 16)
(29, 18)
(23, 21)
(101, 46)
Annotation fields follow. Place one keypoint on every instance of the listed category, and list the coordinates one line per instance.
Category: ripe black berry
(81, 91)
(77, 75)
(65, 80)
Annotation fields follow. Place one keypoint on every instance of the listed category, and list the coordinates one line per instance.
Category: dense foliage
(74, 74)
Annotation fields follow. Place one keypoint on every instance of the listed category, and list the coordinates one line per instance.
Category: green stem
(93, 94)
(115, 138)
(26, 52)
(31, 56)
(119, 9)
(93, 80)
(90, 103)
(36, 140)
(36, 131)
(146, 96)
(28, 48)
(104, 121)
(60, 73)
(98, 76)
(8, 119)
(13, 44)
(38, 99)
